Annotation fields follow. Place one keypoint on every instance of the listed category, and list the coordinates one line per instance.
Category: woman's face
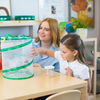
(66, 53)
(44, 32)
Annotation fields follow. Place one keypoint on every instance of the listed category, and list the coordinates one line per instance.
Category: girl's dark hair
(73, 42)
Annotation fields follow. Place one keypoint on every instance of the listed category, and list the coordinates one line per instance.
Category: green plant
(79, 24)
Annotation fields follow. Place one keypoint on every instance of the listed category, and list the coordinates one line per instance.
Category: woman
(48, 38)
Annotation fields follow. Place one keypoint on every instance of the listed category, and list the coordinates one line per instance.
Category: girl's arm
(89, 85)
(36, 51)
(70, 73)
(49, 53)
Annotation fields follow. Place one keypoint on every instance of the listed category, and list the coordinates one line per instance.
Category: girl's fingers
(36, 65)
(32, 50)
(32, 47)
(33, 54)
(65, 68)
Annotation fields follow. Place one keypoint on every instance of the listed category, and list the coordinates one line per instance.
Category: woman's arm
(89, 85)
(36, 51)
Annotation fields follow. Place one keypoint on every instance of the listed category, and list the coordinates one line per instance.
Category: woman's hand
(36, 65)
(69, 71)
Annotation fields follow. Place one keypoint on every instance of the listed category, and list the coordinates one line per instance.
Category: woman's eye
(40, 28)
(47, 29)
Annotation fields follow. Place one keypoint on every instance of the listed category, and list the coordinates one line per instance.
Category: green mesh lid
(20, 37)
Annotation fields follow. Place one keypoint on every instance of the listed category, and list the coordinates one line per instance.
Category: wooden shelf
(23, 23)
(92, 67)
(91, 97)
(89, 39)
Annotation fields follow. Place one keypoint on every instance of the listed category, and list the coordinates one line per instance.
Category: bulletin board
(52, 8)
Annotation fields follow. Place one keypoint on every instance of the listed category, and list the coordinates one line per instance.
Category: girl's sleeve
(57, 55)
(85, 73)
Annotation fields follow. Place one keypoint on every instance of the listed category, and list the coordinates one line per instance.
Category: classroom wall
(31, 7)
(95, 31)
(21, 7)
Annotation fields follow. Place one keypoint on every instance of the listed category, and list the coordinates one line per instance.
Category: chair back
(90, 73)
(66, 95)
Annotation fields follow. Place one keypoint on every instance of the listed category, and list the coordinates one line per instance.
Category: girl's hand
(36, 65)
(69, 71)
(34, 52)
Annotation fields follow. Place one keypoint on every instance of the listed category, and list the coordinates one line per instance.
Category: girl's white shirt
(79, 70)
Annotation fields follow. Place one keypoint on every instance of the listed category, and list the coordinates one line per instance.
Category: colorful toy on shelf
(70, 28)
(5, 18)
(24, 17)
(67, 26)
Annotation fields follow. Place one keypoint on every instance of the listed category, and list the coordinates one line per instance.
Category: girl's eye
(63, 52)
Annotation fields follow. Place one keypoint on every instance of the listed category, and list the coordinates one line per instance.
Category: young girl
(71, 57)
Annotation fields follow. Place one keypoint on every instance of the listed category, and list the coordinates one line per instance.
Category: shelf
(89, 39)
(22, 23)
(91, 97)
(13, 23)
(92, 67)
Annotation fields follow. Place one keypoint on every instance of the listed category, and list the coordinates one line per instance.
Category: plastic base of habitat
(18, 75)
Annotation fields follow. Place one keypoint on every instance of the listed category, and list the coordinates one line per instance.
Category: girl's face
(44, 32)
(67, 54)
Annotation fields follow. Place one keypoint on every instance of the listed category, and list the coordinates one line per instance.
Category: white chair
(66, 95)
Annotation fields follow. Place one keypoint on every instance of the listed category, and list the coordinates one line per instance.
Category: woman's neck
(46, 45)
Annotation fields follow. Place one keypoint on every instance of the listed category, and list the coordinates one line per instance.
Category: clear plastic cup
(49, 71)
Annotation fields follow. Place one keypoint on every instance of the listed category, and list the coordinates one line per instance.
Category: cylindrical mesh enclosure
(16, 60)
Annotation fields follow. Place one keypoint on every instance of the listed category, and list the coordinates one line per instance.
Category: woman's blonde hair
(73, 42)
(54, 29)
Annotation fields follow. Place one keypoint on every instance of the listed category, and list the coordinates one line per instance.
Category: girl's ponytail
(81, 53)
